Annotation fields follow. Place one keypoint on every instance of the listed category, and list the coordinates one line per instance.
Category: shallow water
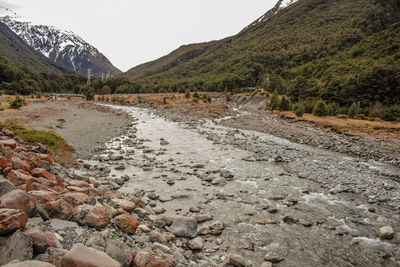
(338, 228)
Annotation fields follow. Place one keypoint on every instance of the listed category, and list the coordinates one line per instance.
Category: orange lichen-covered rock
(126, 223)
(12, 220)
(18, 177)
(39, 172)
(18, 163)
(93, 216)
(4, 162)
(59, 209)
(77, 199)
(19, 200)
(43, 196)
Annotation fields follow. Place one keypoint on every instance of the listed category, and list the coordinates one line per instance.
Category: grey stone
(184, 227)
(196, 244)
(5, 186)
(386, 232)
(80, 255)
(238, 261)
(163, 248)
(33, 263)
(17, 247)
(119, 251)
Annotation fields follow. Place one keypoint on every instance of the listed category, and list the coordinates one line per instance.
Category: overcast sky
(131, 32)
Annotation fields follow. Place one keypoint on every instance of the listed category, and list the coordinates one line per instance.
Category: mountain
(298, 50)
(281, 4)
(15, 50)
(62, 47)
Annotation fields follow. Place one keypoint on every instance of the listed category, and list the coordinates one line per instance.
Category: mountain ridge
(62, 47)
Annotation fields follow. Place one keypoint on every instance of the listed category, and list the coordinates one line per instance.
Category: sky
(131, 32)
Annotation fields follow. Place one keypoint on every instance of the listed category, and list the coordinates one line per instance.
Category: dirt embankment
(84, 126)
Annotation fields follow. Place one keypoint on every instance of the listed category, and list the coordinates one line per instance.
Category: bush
(391, 113)
(285, 104)
(187, 94)
(196, 95)
(377, 110)
(308, 106)
(320, 109)
(353, 110)
(165, 100)
(17, 103)
(299, 110)
(195, 100)
(274, 101)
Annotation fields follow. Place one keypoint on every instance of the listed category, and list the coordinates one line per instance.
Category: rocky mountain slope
(291, 49)
(62, 47)
(15, 50)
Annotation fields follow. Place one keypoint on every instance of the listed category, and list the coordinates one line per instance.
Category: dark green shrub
(353, 110)
(195, 100)
(17, 103)
(196, 95)
(285, 104)
(299, 110)
(274, 101)
(320, 109)
(187, 94)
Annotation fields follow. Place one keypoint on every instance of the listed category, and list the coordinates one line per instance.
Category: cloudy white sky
(131, 32)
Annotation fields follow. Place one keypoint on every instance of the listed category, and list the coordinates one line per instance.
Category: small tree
(285, 103)
(187, 94)
(274, 101)
(353, 110)
(320, 108)
(299, 110)
(17, 103)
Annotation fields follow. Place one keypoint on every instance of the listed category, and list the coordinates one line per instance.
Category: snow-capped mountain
(281, 4)
(63, 47)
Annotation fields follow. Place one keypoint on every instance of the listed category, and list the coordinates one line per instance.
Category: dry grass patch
(351, 126)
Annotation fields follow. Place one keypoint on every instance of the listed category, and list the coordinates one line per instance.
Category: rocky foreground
(194, 195)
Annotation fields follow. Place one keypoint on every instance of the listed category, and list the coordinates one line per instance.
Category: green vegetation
(18, 79)
(17, 103)
(48, 138)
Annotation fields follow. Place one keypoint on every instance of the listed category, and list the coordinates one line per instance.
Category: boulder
(17, 247)
(59, 209)
(39, 172)
(19, 200)
(126, 223)
(82, 256)
(386, 232)
(33, 263)
(94, 216)
(18, 177)
(196, 244)
(146, 258)
(53, 256)
(43, 196)
(42, 240)
(156, 236)
(119, 251)
(20, 164)
(12, 220)
(4, 162)
(5, 186)
(9, 142)
(184, 227)
(124, 204)
(238, 261)
(77, 199)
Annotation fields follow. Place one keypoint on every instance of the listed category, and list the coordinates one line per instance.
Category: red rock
(6, 170)
(18, 163)
(33, 159)
(78, 183)
(60, 209)
(124, 204)
(77, 199)
(82, 256)
(126, 223)
(35, 186)
(43, 196)
(9, 142)
(19, 200)
(4, 163)
(12, 220)
(147, 258)
(45, 157)
(42, 240)
(78, 189)
(18, 177)
(157, 236)
(39, 172)
(31, 263)
(94, 216)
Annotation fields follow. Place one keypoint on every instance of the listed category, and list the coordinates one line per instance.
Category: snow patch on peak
(281, 4)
